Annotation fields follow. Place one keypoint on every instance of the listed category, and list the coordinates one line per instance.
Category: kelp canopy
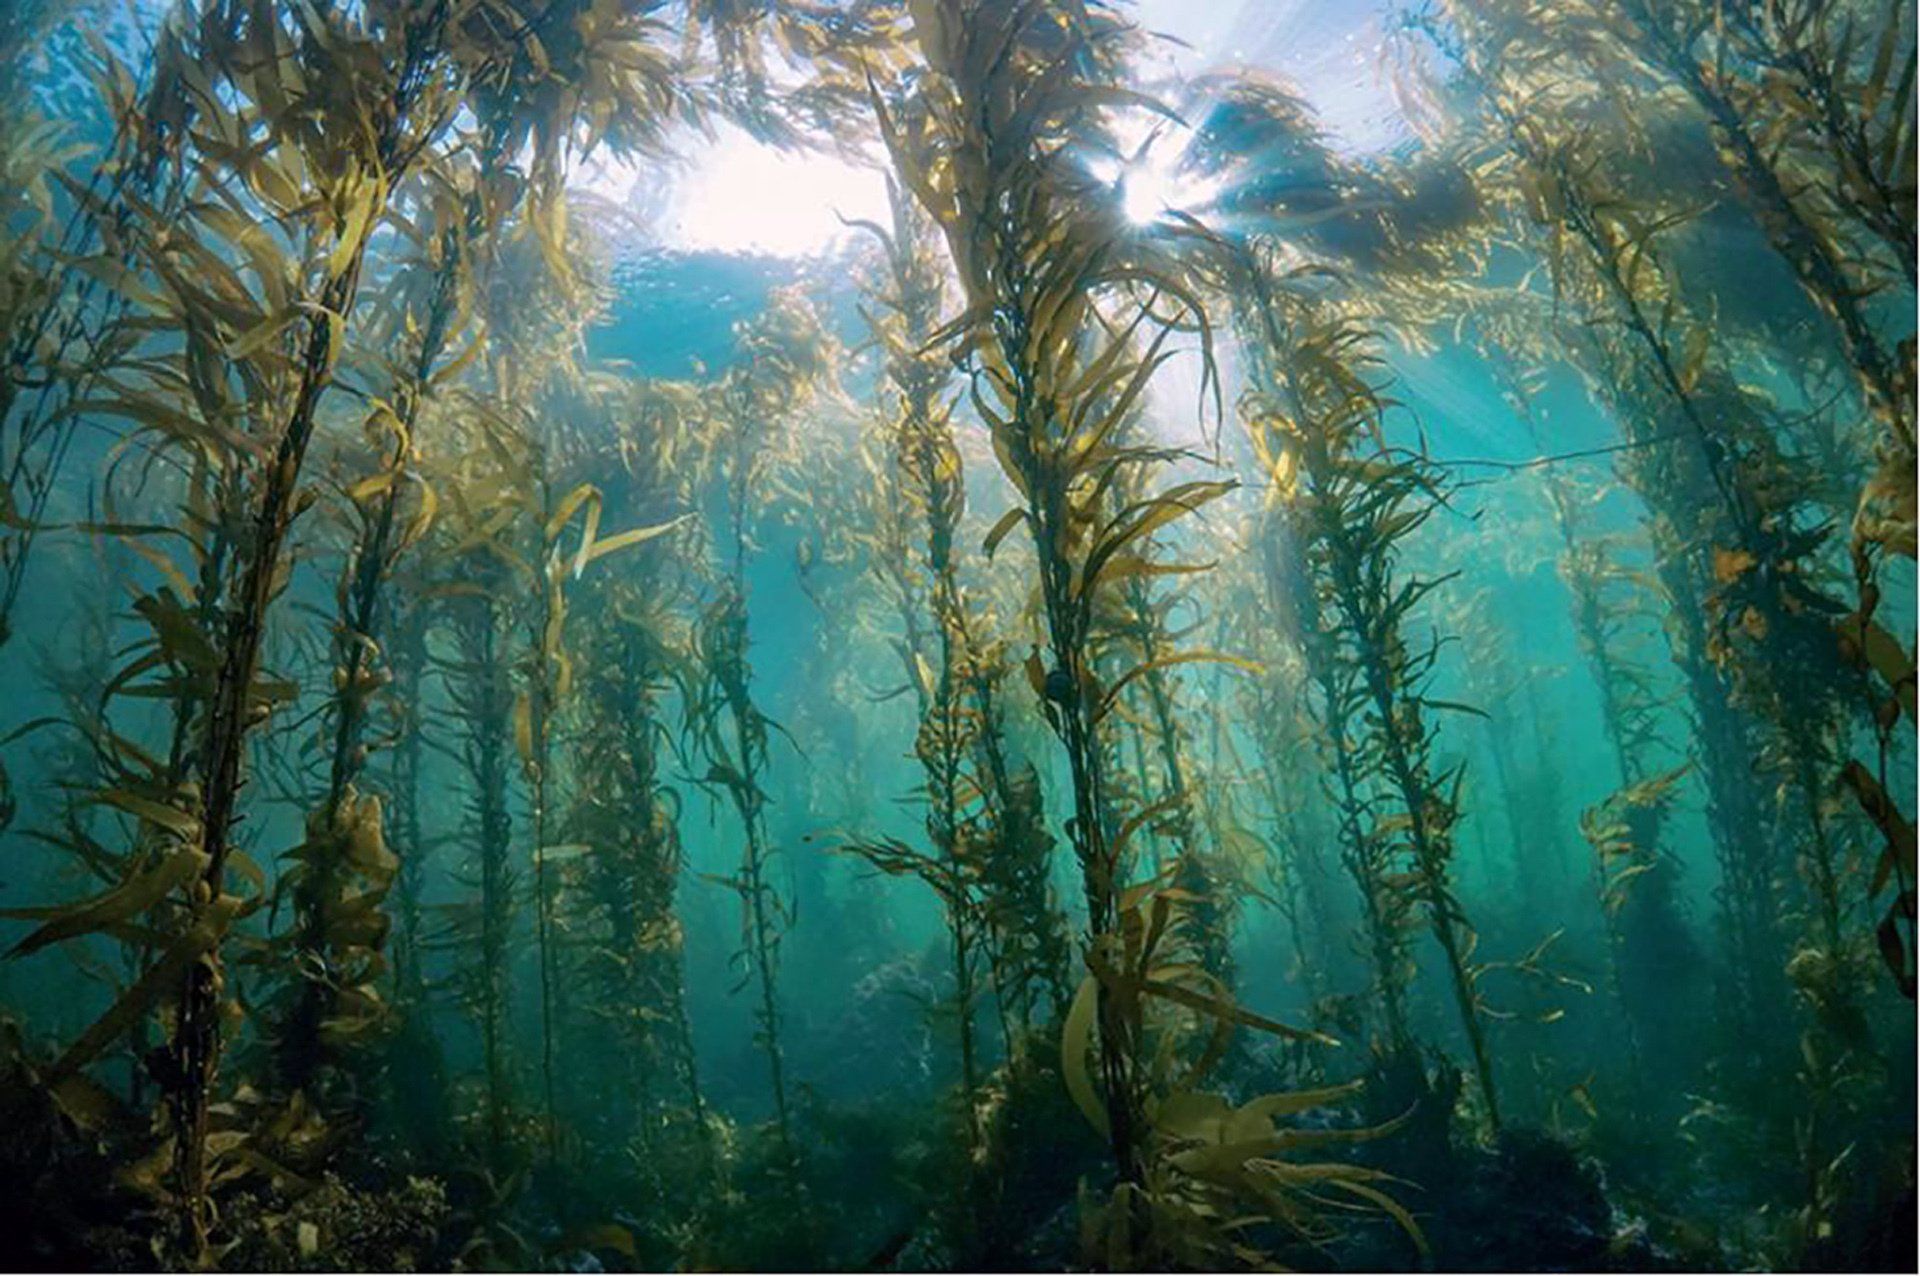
(1182, 694)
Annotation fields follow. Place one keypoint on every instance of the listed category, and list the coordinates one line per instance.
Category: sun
(1153, 179)
(1154, 186)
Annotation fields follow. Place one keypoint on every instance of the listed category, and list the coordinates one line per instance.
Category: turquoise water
(571, 706)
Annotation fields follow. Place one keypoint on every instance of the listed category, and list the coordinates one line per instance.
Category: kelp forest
(1189, 685)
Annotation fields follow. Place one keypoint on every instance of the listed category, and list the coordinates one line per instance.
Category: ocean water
(957, 635)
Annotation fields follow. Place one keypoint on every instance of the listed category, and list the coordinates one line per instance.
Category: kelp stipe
(343, 871)
(479, 686)
(923, 486)
(1136, 630)
(632, 658)
(324, 192)
(1025, 326)
(1304, 849)
(1314, 425)
(747, 409)
(1387, 921)
(1498, 684)
(1653, 958)
(623, 855)
(1762, 601)
(61, 314)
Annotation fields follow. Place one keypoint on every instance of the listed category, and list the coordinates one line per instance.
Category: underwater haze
(923, 635)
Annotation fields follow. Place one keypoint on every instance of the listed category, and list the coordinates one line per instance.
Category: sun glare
(1154, 182)
(739, 195)
(1151, 189)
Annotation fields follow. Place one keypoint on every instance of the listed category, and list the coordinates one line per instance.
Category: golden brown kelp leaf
(147, 887)
(1212, 1171)
(1895, 866)
(1620, 829)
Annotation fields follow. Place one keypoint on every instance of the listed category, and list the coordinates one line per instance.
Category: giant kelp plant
(1185, 693)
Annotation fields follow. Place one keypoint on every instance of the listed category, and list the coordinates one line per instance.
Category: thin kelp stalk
(943, 749)
(147, 906)
(1763, 676)
(994, 854)
(78, 674)
(1430, 808)
(1292, 593)
(477, 575)
(1859, 112)
(55, 300)
(626, 822)
(1028, 937)
(1856, 116)
(231, 714)
(1313, 415)
(1218, 773)
(1131, 772)
(1629, 707)
(546, 683)
(1290, 901)
(423, 1100)
(406, 670)
(1289, 743)
(1493, 684)
(533, 713)
(1038, 255)
(1884, 522)
(1144, 622)
(1809, 234)
(1635, 876)
(782, 356)
(1663, 471)
(159, 875)
(923, 481)
(941, 746)
(1652, 956)
(480, 692)
(333, 919)
(735, 737)
(1746, 828)
(1285, 735)
(174, 664)
(1739, 543)
(1147, 624)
